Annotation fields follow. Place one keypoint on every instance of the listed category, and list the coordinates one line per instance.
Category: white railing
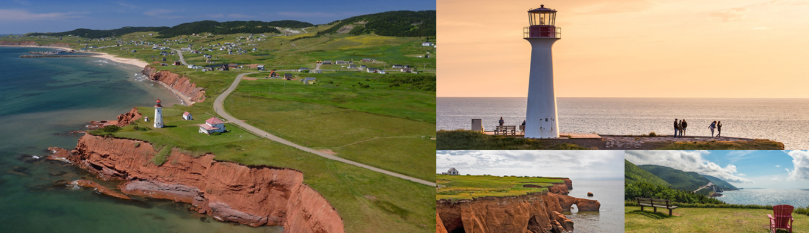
(556, 33)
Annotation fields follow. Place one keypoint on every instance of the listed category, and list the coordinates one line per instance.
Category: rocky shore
(250, 195)
(534, 212)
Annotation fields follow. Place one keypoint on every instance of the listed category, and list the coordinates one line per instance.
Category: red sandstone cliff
(20, 43)
(531, 213)
(232, 192)
(127, 118)
(179, 83)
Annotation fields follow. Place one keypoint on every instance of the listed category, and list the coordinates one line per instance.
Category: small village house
(212, 125)
(288, 76)
(308, 80)
(187, 116)
(452, 172)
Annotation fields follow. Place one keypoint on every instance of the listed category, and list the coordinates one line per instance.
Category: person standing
(675, 128)
(685, 124)
(718, 129)
(502, 121)
(713, 126)
(680, 128)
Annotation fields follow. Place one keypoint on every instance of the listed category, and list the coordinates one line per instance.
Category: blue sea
(41, 100)
(610, 218)
(793, 197)
(783, 120)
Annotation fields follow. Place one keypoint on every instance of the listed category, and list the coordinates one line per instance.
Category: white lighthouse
(540, 118)
(158, 115)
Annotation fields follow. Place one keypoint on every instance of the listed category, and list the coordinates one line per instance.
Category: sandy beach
(131, 61)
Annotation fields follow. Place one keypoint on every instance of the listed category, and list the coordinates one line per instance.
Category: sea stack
(158, 115)
(589, 194)
(540, 117)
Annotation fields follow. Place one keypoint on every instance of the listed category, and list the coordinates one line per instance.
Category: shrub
(652, 134)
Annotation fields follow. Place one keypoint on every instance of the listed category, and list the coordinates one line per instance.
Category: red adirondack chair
(783, 218)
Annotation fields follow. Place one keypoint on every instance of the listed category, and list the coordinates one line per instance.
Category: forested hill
(90, 33)
(391, 23)
(724, 185)
(215, 27)
(634, 174)
(231, 27)
(689, 181)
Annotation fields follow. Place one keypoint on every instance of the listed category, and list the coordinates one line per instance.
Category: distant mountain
(391, 23)
(688, 181)
(210, 26)
(634, 174)
(724, 185)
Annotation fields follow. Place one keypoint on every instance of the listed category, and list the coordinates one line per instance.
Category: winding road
(182, 60)
(217, 105)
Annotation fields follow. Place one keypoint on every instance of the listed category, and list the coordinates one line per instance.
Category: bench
(506, 129)
(654, 203)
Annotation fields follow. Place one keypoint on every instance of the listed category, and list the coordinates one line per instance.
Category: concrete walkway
(217, 105)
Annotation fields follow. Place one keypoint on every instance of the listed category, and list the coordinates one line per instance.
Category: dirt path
(217, 106)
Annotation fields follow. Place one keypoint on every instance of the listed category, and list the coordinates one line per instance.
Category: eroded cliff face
(177, 82)
(531, 213)
(232, 192)
(127, 118)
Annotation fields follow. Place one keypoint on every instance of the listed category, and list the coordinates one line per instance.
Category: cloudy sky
(630, 48)
(21, 16)
(747, 169)
(576, 165)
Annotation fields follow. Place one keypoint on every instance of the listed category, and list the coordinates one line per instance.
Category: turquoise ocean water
(793, 197)
(41, 100)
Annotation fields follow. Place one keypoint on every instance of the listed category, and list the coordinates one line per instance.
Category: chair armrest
(770, 216)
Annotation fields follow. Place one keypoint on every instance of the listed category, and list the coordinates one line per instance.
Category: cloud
(777, 165)
(800, 159)
(776, 178)
(162, 13)
(689, 161)
(584, 165)
(732, 14)
(741, 174)
(23, 15)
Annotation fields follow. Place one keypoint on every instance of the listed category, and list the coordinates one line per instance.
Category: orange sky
(630, 48)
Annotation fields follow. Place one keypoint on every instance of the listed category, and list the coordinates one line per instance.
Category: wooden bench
(506, 129)
(654, 203)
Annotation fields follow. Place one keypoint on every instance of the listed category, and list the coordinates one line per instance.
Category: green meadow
(452, 187)
(690, 220)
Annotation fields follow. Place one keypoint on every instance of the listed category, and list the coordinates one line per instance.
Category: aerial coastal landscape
(209, 126)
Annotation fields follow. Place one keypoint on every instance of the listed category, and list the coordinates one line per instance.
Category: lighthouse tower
(158, 115)
(540, 118)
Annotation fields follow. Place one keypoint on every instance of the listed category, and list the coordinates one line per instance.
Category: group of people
(680, 125)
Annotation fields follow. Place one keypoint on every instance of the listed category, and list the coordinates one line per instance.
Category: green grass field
(470, 140)
(690, 220)
(467, 187)
(379, 126)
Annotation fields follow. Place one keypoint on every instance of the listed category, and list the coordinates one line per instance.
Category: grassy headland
(467, 187)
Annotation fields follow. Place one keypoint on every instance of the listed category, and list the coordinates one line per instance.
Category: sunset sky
(630, 48)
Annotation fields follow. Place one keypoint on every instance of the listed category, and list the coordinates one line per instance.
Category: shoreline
(130, 61)
(39, 46)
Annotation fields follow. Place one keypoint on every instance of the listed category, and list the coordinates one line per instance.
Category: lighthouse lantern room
(158, 115)
(540, 115)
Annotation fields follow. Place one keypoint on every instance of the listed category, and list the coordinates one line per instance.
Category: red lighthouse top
(542, 21)
(158, 103)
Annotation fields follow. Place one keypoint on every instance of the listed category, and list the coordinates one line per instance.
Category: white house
(426, 44)
(212, 125)
(187, 116)
(452, 171)
(308, 80)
